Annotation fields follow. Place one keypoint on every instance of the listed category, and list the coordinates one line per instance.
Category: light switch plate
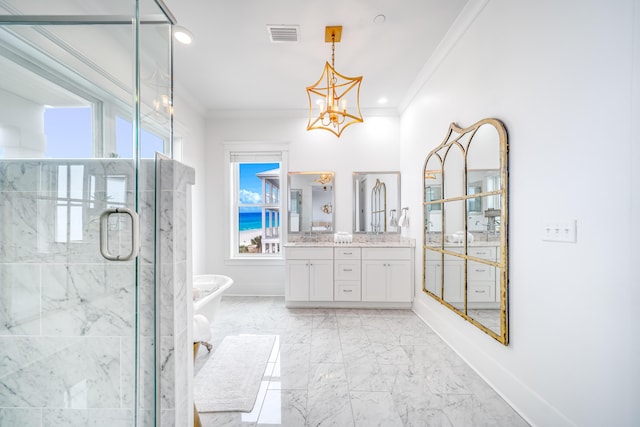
(560, 231)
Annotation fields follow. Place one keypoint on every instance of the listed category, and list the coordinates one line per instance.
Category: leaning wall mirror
(376, 202)
(465, 225)
(311, 202)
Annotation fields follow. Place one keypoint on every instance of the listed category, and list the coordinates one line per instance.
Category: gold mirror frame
(450, 258)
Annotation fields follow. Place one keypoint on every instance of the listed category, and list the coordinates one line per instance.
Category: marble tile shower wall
(175, 299)
(67, 316)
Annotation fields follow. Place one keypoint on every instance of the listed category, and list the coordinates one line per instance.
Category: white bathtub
(207, 291)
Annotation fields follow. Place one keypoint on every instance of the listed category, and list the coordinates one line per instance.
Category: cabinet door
(297, 280)
(453, 282)
(433, 278)
(320, 280)
(374, 281)
(399, 283)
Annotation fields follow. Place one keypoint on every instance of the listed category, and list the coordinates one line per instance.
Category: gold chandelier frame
(331, 92)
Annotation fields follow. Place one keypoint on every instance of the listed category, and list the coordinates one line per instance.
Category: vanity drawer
(478, 271)
(488, 252)
(346, 269)
(481, 292)
(347, 253)
(347, 291)
(386, 254)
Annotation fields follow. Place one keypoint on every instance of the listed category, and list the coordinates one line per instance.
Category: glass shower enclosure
(85, 103)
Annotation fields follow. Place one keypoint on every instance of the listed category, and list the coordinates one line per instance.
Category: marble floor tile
(374, 408)
(329, 405)
(354, 367)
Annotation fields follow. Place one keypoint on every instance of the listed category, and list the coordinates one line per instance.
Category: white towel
(404, 218)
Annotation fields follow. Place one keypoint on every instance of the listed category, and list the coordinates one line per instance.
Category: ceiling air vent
(283, 33)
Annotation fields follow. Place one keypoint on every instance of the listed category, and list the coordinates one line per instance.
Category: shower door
(85, 102)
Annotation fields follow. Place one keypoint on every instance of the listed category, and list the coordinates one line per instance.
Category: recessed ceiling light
(382, 100)
(183, 35)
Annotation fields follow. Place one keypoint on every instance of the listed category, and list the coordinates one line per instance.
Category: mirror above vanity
(311, 202)
(376, 202)
(465, 225)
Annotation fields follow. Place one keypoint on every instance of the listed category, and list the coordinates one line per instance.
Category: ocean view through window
(257, 208)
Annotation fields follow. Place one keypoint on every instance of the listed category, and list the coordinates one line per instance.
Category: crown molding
(462, 23)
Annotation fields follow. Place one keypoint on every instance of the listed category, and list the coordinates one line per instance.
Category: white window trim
(230, 225)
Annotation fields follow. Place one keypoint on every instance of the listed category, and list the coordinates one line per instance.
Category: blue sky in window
(124, 141)
(250, 184)
(69, 133)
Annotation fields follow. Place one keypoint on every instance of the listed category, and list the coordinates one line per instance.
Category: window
(69, 203)
(149, 141)
(256, 204)
(69, 132)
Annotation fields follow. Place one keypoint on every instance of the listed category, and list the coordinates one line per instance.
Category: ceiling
(232, 65)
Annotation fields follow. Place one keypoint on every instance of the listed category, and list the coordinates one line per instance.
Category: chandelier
(332, 93)
(324, 179)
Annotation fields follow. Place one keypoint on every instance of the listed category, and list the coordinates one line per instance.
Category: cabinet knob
(479, 291)
(347, 290)
(347, 269)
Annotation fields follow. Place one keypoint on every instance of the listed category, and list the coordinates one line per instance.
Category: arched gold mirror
(465, 225)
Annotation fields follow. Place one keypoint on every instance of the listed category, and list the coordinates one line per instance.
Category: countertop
(403, 243)
(475, 244)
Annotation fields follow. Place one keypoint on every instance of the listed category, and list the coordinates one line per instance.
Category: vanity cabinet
(346, 268)
(309, 274)
(453, 278)
(481, 278)
(386, 274)
(357, 275)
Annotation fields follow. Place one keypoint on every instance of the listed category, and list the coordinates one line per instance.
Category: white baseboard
(451, 328)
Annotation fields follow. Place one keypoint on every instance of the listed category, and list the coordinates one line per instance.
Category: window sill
(256, 261)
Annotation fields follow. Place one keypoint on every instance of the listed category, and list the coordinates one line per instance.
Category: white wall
(370, 147)
(21, 127)
(561, 77)
(189, 147)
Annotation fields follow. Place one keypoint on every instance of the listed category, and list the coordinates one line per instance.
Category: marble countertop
(459, 245)
(403, 243)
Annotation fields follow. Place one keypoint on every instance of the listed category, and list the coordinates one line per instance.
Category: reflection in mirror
(376, 201)
(379, 207)
(295, 208)
(465, 225)
(311, 202)
(432, 194)
(483, 212)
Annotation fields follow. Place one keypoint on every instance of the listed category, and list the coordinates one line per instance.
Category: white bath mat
(230, 379)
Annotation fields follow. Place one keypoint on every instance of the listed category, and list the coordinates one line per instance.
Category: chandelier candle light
(331, 93)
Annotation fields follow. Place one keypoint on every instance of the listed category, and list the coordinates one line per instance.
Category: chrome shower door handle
(104, 234)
